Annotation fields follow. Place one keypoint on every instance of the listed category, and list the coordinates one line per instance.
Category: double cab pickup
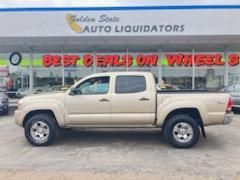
(123, 100)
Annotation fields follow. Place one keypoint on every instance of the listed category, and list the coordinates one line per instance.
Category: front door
(89, 102)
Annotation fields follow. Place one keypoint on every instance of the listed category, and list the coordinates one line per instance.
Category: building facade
(188, 47)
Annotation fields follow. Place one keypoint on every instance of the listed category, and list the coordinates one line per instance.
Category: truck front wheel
(181, 131)
(41, 130)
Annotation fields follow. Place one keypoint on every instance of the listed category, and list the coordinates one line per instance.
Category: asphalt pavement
(121, 153)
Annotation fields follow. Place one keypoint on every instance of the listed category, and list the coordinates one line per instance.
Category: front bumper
(228, 118)
(3, 107)
(18, 117)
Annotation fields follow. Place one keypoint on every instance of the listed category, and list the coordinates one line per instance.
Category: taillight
(229, 104)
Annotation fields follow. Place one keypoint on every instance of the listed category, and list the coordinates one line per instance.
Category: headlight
(20, 103)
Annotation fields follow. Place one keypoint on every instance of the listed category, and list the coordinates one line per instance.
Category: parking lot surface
(135, 153)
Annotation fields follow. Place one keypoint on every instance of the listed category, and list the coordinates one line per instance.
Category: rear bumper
(228, 118)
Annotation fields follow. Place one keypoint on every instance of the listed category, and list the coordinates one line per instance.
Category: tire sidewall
(52, 129)
(168, 131)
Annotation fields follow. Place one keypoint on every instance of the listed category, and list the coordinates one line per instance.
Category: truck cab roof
(120, 73)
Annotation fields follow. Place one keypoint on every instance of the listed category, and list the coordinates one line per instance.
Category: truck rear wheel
(181, 131)
(41, 130)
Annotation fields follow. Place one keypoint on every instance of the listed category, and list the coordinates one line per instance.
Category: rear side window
(130, 84)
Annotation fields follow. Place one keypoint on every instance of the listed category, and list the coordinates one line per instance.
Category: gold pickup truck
(123, 99)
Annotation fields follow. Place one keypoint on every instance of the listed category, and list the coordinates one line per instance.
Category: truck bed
(212, 104)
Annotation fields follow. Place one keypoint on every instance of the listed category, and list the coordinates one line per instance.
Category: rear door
(132, 100)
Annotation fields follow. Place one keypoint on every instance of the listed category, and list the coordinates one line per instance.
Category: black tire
(169, 130)
(47, 119)
(236, 110)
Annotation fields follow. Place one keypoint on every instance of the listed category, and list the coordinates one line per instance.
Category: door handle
(144, 99)
(103, 100)
(220, 102)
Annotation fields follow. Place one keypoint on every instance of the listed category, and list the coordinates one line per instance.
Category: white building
(192, 46)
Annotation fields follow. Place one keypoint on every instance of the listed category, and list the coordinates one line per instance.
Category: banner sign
(127, 60)
(113, 60)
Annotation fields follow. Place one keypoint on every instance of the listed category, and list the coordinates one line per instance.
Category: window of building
(14, 78)
(209, 78)
(179, 78)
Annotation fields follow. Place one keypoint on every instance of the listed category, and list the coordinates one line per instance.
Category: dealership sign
(139, 22)
(127, 60)
(112, 24)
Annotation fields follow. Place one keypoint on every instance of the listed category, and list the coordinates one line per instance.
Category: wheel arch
(35, 112)
(192, 112)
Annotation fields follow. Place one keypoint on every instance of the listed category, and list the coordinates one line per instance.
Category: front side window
(97, 85)
(130, 84)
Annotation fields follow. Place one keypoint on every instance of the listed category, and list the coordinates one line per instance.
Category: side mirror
(73, 92)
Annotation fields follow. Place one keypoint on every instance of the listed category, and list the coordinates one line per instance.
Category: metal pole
(63, 73)
(31, 71)
(226, 66)
(127, 59)
(159, 66)
(193, 69)
(22, 79)
(94, 61)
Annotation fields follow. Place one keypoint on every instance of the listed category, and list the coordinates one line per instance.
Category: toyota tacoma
(123, 100)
